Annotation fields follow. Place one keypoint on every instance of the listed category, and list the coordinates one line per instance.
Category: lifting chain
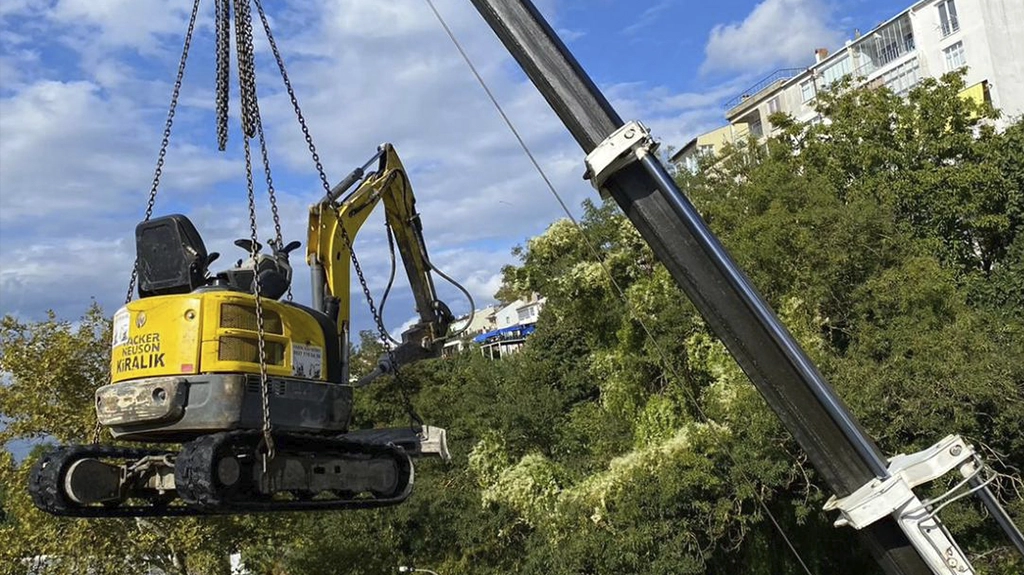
(223, 16)
(250, 119)
(402, 387)
(158, 171)
(252, 127)
(250, 100)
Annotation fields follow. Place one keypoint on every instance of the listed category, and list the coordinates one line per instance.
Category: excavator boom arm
(333, 225)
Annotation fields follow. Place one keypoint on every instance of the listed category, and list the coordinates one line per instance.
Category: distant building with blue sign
(501, 330)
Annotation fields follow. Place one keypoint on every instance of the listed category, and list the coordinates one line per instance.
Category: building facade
(499, 330)
(928, 39)
(513, 323)
(710, 144)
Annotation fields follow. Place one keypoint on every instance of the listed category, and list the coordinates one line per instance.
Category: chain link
(223, 17)
(158, 172)
(291, 95)
(246, 66)
(250, 121)
(255, 121)
(278, 240)
(385, 340)
(400, 383)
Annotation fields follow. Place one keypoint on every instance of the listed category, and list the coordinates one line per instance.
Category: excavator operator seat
(171, 256)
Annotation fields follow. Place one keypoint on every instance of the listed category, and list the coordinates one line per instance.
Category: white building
(483, 320)
(498, 329)
(520, 312)
(928, 39)
(509, 327)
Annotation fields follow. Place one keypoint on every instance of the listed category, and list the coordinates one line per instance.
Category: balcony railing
(770, 79)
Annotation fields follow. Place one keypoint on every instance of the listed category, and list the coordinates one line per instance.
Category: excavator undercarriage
(224, 473)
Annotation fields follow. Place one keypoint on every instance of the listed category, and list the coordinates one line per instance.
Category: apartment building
(928, 39)
(710, 144)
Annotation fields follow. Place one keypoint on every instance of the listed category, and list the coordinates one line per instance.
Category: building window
(706, 150)
(902, 78)
(807, 90)
(955, 57)
(948, 18)
(774, 106)
(836, 71)
(755, 127)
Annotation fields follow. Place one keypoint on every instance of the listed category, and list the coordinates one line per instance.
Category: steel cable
(621, 294)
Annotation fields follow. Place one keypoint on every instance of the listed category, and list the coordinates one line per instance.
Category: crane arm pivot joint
(894, 496)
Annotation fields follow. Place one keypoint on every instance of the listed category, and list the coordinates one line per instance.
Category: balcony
(884, 46)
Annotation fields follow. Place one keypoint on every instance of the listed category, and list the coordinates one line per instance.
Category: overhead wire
(596, 254)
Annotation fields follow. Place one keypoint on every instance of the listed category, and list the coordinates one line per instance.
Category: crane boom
(621, 164)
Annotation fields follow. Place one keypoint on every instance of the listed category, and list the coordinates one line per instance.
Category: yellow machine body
(214, 332)
(184, 364)
(330, 224)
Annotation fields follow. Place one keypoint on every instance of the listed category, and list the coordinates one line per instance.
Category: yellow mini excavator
(255, 434)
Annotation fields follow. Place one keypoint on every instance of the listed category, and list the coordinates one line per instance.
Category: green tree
(52, 368)
(624, 438)
(887, 245)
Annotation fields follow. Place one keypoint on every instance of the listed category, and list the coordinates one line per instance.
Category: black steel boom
(833, 440)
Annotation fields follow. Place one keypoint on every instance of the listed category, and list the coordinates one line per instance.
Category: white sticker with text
(122, 324)
(306, 361)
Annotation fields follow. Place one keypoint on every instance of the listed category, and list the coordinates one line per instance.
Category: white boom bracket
(624, 146)
(918, 519)
(434, 440)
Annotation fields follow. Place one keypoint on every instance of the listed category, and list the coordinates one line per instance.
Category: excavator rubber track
(199, 488)
(46, 485)
(197, 467)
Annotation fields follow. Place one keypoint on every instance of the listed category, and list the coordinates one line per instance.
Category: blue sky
(84, 86)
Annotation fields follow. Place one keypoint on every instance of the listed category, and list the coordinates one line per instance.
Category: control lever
(247, 245)
(292, 246)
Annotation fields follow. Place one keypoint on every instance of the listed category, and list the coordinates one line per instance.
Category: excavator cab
(273, 271)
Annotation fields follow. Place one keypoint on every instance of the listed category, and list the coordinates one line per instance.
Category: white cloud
(674, 117)
(647, 17)
(69, 148)
(135, 24)
(77, 148)
(568, 34)
(775, 33)
(62, 274)
(20, 7)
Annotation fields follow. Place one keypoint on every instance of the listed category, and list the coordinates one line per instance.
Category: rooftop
(776, 77)
(895, 46)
